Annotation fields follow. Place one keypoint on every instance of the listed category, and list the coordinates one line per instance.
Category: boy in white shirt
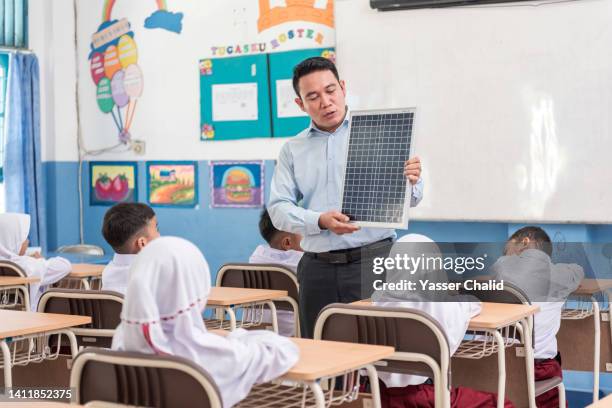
(527, 264)
(127, 227)
(284, 249)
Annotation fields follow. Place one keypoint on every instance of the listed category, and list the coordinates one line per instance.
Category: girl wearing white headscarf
(14, 229)
(403, 390)
(167, 290)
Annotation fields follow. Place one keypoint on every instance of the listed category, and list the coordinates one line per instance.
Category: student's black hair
(122, 221)
(267, 230)
(312, 65)
(535, 234)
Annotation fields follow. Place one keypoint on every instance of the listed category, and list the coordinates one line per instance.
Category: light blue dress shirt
(310, 172)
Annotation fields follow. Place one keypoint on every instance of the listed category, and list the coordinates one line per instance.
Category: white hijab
(168, 287)
(454, 317)
(14, 229)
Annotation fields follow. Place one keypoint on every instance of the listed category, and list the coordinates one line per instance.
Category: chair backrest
(104, 307)
(259, 276)
(83, 249)
(509, 294)
(139, 379)
(411, 332)
(8, 268)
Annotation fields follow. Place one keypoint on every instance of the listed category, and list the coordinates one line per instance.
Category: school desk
(11, 286)
(83, 276)
(250, 301)
(35, 328)
(320, 361)
(604, 403)
(585, 342)
(491, 335)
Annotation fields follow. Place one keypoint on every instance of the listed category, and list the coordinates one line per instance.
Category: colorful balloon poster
(112, 182)
(172, 184)
(237, 184)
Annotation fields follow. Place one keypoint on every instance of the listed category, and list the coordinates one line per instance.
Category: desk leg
(6, 355)
(315, 386)
(272, 307)
(232, 316)
(529, 362)
(501, 367)
(26, 297)
(596, 348)
(85, 283)
(374, 387)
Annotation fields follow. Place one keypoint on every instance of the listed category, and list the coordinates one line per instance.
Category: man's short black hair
(122, 221)
(535, 234)
(267, 230)
(312, 65)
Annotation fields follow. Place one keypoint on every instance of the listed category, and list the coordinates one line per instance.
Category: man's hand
(412, 170)
(337, 223)
(36, 255)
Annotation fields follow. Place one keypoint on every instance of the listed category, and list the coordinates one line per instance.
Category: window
(4, 60)
(13, 23)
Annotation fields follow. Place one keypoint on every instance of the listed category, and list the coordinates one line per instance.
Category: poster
(112, 182)
(237, 184)
(172, 184)
(285, 100)
(234, 102)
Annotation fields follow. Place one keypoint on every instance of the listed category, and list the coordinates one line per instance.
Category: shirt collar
(314, 130)
(123, 259)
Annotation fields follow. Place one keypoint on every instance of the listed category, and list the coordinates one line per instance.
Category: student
(162, 314)
(408, 391)
(284, 249)
(527, 264)
(14, 229)
(127, 227)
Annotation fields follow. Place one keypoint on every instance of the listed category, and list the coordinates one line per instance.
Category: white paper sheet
(232, 102)
(285, 100)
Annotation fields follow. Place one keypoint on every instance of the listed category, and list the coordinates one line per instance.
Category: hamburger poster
(237, 184)
(112, 182)
(172, 184)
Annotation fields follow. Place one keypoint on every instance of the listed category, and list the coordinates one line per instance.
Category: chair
(514, 295)
(103, 377)
(103, 306)
(14, 296)
(421, 346)
(83, 249)
(264, 276)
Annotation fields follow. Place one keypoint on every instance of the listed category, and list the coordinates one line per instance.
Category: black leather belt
(344, 256)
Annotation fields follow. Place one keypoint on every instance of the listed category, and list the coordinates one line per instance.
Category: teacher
(305, 195)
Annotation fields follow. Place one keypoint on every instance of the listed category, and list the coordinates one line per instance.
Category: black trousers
(323, 283)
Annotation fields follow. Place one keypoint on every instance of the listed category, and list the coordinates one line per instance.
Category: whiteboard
(514, 103)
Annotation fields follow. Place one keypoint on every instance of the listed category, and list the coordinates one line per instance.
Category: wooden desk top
(37, 404)
(492, 315)
(82, 270)
(17, 280)
(14, 323)
(320, 358)
(592, 286)
(497, 315)
(224, 296)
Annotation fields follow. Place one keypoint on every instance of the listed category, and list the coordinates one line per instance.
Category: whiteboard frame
(407, 189)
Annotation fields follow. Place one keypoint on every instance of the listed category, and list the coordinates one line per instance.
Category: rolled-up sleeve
(283, 207)
(417, 193)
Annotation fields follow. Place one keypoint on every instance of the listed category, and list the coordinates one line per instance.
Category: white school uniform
(115, 275)
(167, 290)
(14, 229)
(264, 254)
(533, 272)
(453, 317)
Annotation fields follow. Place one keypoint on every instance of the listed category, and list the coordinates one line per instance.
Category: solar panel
(375, 190)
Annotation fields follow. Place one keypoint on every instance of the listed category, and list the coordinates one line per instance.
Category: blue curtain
(22, 165)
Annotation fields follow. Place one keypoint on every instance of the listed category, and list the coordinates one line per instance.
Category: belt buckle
(340, 258)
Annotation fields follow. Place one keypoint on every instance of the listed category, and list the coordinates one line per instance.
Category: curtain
(23, 179)
(13, 23)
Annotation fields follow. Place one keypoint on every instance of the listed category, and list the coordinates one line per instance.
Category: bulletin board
(287, 118)
(234, 98)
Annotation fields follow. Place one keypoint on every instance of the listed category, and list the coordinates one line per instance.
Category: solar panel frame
(403, 224)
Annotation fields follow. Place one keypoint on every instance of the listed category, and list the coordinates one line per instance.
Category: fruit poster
(112, 182)
(172, 184)
(237, 184)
